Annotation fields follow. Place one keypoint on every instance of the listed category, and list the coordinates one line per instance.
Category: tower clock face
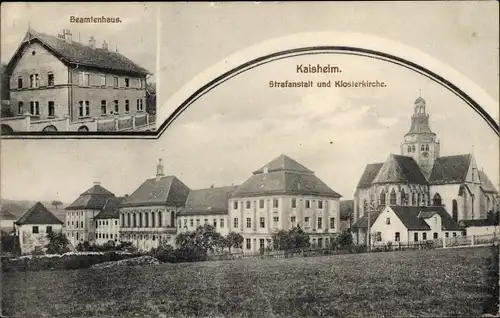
(425, 154)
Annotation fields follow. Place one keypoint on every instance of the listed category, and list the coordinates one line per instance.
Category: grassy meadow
(443, 282)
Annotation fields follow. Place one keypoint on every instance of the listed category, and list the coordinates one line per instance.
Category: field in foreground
(449, 282)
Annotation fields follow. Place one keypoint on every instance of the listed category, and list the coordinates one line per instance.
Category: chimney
(159, 170)
(67, 35)
(97, 183)
(266, 169)
(92, 41)
(105, 45)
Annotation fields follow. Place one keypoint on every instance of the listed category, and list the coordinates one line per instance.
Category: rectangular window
(80, 109)
(397, 237)
(191, 222)
(50, 79)
(137, 106)
(435, 235)
(235, 222)
(19, 82)
(185, 222)
(415, 237)
(215, 223)
(235, 205)
(103, 107)
(275, 203)
(37, 81)
(103, 79)
(306, 221)
(248, 204)
(141, 104)
(276, 219)
(127, 82)
(206, 221)
(87, 108)
(308, 204)
(424, 236)
(35, 229)
(84, 79)
(197, 222)
(388, 221)
(454, 234)
(115, 81)
(447, 234)
(117, 108)
(262, 222)
(332, 223)
(20, 107)
(48, 229)
(141, 82)
(249, 244)
(37, 108)
(320, 204)
(221, 223)
(294, 203)
(32, 82)
(127, 106)
(320, 242)
(293, 220)
(261, 204)
(52, 110)
(320, 222)
(249, 222)
(261, 244)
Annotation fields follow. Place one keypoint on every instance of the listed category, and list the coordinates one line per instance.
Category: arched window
(382, 198)
(159, 219)
(404, 198)
(153, 219)
(128, 219)
(436, 200)
(422, 148)
(413, 148)
(413, 198)
(123, 220)
(392, 197)
(409, 148)
(146, 219)
(426, 147)
(140, 219)
(455, 210)
(418, 198)
(172, 218)
(135, 219)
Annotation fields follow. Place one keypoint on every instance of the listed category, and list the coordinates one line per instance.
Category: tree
(235, 240)
(151, 98)
(58, 243)
(56, 203)
(344, 240)
(291, 239)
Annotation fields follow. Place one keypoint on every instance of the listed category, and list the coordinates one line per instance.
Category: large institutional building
(419, 183)
(58, 83)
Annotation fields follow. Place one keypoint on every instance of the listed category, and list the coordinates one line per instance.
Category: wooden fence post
(472, 240)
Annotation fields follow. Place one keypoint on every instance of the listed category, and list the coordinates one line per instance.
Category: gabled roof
(486, 183)
(78, 53)
(450, 169)
(369, 174)
(346, 208)
(283, 163)
(92, 199)
(362, 222)
(6, 215)
(38, 214)
(207, 201)
(110, 209)
(400, 169)
(166, 191)
(413, 217)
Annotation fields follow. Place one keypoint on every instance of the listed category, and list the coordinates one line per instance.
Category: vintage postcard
(92, 69)
(335, 159)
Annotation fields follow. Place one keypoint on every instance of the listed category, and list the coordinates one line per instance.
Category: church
(420, 177)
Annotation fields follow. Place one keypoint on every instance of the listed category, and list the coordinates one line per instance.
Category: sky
(135, 37)
(242, 124)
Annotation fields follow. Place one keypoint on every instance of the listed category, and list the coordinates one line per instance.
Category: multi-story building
(34, 225)
(59, 84)
(149, 215)
(421, 177)
(107, 225)
(281, 195)
(206, 206)
(81, 214)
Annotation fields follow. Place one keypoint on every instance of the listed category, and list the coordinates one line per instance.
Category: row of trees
(296, 238)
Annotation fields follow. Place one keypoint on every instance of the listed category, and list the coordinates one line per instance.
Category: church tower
(420, 142)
